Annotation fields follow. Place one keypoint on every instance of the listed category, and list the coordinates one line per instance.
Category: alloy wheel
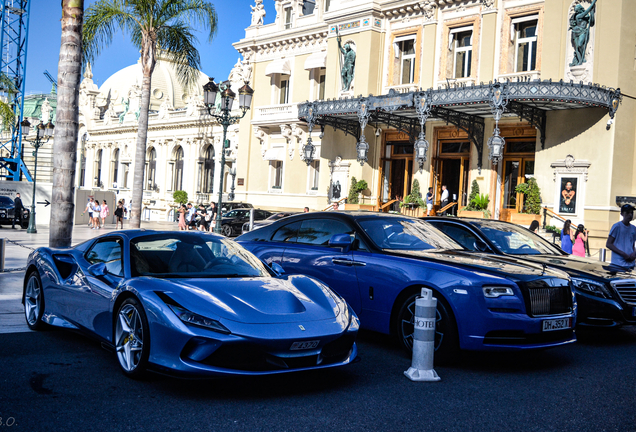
(33, 300)
(129, 337)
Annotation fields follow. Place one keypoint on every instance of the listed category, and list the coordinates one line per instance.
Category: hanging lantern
(362, 149)
(496, 144)
(421, 148)
(308, 152)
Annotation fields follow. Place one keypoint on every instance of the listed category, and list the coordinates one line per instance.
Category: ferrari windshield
(406, 234)
(515, 240)
(189, 255)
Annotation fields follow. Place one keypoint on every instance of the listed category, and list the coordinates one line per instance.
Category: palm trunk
(66, 125)
(148, 60)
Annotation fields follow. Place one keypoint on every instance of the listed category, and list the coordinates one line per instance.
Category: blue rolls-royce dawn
(379, 262)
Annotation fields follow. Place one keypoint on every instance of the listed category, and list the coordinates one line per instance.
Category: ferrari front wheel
(132, 338)
(34, 302)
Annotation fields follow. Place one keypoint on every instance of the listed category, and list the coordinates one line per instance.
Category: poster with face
(567, 202)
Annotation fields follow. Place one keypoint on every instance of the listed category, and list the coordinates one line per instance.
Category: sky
(217, 58)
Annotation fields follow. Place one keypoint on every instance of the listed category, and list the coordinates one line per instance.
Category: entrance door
(396, 168)
(515, 171)
(454, 174)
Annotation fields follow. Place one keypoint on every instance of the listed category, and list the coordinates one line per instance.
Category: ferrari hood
(254, 300)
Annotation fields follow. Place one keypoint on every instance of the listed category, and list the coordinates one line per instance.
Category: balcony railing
(276, 113)
(521, 76)
(404, 88)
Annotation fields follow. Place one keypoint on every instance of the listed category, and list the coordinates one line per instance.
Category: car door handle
(358, 263)
(341, 261)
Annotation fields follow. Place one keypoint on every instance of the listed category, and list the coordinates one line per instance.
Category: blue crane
(14, 31)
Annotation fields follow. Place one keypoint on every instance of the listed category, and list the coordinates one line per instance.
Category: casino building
(445, 92)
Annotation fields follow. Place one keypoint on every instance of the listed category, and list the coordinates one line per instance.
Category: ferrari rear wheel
(132, 338)
(446, 337)
(226, 230)
(34, 302)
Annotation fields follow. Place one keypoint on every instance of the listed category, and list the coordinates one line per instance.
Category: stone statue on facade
(580, 22)
(46, 111)
(126, 103)
(165, 107)
(348, 65)
(258, 13)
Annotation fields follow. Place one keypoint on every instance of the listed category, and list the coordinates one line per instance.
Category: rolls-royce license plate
(304, 345)
(557, 324)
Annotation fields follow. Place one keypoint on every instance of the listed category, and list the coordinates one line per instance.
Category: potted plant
(353, 199)
(413, 201)
(477, 204)
(531, 203)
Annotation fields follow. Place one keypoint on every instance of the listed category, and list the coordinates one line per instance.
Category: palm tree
(153, 25)
(66, 120)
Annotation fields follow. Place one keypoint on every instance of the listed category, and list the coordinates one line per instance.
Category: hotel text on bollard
(424, 339)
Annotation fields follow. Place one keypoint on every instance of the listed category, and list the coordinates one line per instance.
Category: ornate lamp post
(44, 132)
(210, 91)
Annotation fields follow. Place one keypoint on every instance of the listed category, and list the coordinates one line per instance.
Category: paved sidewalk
(19, 245)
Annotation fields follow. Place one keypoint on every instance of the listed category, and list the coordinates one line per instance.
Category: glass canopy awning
(463, 106)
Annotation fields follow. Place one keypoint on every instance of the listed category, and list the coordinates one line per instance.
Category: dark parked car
(380, 262)
(260, 224)
(232, 221)
(229, 206)
(7, 212)
(606, 294)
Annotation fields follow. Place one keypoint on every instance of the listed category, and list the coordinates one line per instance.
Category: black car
(273, 218)
(232, 221)
(7, 212)
(228, 206)
(606, 294)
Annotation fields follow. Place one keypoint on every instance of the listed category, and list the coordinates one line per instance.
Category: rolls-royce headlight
(591, 287)
(497, 291)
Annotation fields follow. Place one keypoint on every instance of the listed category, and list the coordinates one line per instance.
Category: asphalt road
(59, 380)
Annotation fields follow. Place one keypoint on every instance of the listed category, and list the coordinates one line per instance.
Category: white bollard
(424, 339)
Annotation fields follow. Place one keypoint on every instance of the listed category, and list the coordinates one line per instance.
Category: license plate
(557, 324)
(304, 345)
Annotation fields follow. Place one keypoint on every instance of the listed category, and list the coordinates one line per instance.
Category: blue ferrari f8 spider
(188, 303)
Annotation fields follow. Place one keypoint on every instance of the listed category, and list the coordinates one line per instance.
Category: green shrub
(480, 202)
(355, 189)
(553, 229)
(415, 197)
(180, 197)
(474, 193)
(532, 193)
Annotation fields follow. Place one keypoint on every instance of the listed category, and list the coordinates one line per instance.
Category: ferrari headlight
(198, 320)
(497, 291)
(590, 287)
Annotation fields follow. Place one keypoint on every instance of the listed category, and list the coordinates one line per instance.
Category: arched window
(115, 168)
(178, 169)
(98, 169)
(151, 169)
(208, 171)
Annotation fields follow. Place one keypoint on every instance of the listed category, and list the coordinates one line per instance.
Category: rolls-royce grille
(626, 289)
(550, 300)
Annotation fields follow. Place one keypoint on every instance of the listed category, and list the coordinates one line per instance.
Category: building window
(276, 173)
(207, 185)
(524, 35)
(321, 83)
(151, 169)
(404, 63)
(327, 5)
(461, 44)
(314, 174)
(288, 17)
(178, 170)
(115, 167)
(98, 169)
(284, 90)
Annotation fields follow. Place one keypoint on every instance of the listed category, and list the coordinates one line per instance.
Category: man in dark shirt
(17, 210)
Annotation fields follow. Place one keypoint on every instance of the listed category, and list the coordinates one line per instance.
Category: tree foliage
(415, 197)
(532, 199)
(355, 189)
(180, 197)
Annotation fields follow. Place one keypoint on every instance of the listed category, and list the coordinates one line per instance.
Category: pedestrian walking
(123, 203)
(566, 237)
(579, 239)
(89, 209)
(622, 238)
(119, 214)
(191, 221)
(96, 211)
(306, 210)
(211, 210)
(534, 226)
(429, 201)
(202, 223)
(105, 212)
(182, 221)
(18, 207)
